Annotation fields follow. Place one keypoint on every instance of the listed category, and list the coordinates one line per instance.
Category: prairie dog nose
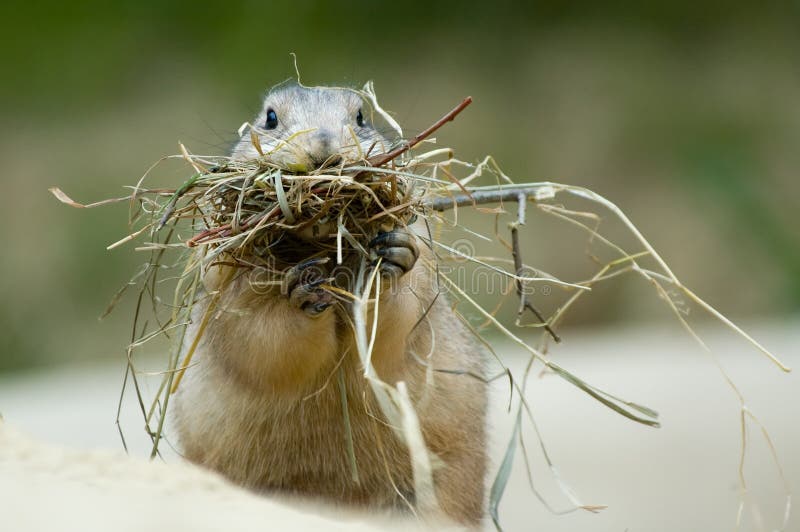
(322, 147)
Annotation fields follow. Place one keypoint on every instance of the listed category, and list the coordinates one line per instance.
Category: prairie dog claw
(302, 285)
(399, 251)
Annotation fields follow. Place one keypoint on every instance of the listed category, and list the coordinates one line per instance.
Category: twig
(480, 197)
(516, 254)
(380, 160)
(225, 230)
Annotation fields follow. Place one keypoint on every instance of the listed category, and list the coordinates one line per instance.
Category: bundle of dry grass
(244, 209)
(255, 213)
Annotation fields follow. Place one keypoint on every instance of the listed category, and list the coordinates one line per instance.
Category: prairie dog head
(306, 128)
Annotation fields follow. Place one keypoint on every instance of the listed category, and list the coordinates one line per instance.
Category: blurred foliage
(684, 113)
(59, 53)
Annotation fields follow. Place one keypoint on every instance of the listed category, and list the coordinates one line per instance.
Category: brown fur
(262, 405)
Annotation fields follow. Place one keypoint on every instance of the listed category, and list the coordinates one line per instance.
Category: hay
(246, 209)
(250, 214)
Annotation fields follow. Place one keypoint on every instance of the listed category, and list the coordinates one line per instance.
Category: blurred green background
(684, 113)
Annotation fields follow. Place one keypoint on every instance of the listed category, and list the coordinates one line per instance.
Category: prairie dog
(263, 403)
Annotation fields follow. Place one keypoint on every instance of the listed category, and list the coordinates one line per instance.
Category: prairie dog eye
(360, 119)
(272, 119)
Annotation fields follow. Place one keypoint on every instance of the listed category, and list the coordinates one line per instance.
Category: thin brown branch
(516, 254)
(479, 197)
(380, 160)
(225, 230)
(521, 195)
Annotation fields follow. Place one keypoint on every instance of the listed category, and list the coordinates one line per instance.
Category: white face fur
(306, 128)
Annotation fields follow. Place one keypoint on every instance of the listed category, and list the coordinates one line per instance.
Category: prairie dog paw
(398, 249)
(302, 285)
